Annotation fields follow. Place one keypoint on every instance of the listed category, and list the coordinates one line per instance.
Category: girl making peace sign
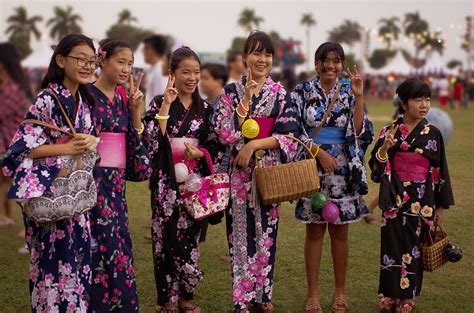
(176, 125)
(117, 118)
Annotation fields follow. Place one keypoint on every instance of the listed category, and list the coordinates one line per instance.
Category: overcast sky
(209, 26)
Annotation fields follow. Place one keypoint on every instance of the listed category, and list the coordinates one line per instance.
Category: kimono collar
(269, 84)
(66, 97)
(319, 85)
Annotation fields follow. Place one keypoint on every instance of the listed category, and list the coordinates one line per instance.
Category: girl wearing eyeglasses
(60, 254)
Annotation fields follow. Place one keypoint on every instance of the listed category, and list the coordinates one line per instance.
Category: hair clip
(101, 53)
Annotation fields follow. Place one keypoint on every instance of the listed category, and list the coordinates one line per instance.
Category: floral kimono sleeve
(32, 177)
(440, 174)
(152, 135)
(225, 120)
(288, 123)
(138, 159)
(210, 140)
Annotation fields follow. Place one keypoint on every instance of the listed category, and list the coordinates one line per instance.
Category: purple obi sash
(410, 166)
(178, 147)
(266, 125)
(112, 150)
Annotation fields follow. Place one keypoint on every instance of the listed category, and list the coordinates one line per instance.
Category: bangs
(323, 50)
(259, 42)
(413, 88)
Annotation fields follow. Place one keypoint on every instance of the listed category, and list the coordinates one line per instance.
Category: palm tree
(126, 17)
(248, 19)
(64, 22)
(308, 21)
(349, 32)
(389, 30)
(433, 42)
(22, 25)
(415, 27)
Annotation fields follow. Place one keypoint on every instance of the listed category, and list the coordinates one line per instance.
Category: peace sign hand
(170, 93)
(357, 82)
(250, 87)
(136, 96)
(389, 140)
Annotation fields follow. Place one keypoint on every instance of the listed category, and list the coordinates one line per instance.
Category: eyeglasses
(83, 62)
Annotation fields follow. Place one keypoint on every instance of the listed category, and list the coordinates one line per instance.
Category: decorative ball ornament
(193, 182)
(318, 200)
(181, 171)
(250, 128)
(330, 212)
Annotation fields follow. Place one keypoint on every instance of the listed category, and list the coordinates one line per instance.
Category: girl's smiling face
(259, 62)
(330, 68)
(187, 76)
(118, 67)
(78, 65)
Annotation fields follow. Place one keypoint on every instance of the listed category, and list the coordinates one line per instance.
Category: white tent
(434, 64)
(40, 57)
(139, 59)
(397, 65)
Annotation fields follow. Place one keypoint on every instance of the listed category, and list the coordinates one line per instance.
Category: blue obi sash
(330, 136)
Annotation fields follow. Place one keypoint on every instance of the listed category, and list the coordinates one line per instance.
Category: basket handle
(208, 158)
(301, 143)
(431, 240)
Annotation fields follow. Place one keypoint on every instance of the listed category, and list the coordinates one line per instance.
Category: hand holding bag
(211, 198)
(73, 192)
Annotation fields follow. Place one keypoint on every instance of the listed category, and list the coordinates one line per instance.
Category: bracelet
(317, 151)
(162, 117)
(379, 157)
(139, 130)
(242, 106)
(240, 115)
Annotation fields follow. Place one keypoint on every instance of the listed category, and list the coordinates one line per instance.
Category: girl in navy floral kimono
(409, 162)
(176, 125)
(252, 226)
(60, 255)
(339, 148)
(123, 157)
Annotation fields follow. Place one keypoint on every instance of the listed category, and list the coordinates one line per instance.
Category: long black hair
(176, 58)
(55, 74)
(10, 60)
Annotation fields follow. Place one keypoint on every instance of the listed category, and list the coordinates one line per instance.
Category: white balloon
(181, 171)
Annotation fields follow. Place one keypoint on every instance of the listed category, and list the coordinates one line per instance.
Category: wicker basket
(287, 182)
(432, 249)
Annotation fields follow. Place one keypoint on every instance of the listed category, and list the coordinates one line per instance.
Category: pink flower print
(60, 234)
(254, 269)
(71, 307)
(52, 237)
(66, 93)
(404, 146)
(403, 270)
(382, 132)
(34, 273)
(404, 130)
(227, 100)
(390, 214)
(268, 242)
(242, 194)
(274, 212)
(260, 281)
(435, 174)
(247, 284)
(276, 88)
(406, 197)
(262, 259)
(105, 298)
(239, 293)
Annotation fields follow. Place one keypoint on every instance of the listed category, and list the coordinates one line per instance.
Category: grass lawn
(448, 290)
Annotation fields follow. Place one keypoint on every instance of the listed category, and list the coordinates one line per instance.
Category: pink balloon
(330, 212)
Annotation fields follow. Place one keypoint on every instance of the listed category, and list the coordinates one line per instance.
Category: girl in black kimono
(409, 162)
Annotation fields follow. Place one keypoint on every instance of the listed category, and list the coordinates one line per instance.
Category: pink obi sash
(178, 147)
(410, 166)
(266, 125)
(112, 150)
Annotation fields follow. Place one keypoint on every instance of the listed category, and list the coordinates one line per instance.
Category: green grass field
(450, 289)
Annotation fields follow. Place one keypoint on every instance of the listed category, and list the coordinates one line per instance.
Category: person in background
(154, 50)
(236, 66)
(14, 102)
(443, 91)
(458, 93)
